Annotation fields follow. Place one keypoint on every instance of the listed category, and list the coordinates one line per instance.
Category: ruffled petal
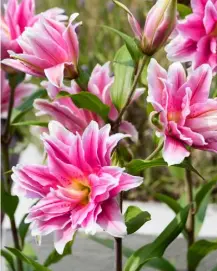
(174, 151)
(111, 220)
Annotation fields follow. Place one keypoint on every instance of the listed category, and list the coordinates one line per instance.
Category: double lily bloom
(50, 49)
(78, 186)
(196, 38)
(75, 119)
(188, 118)
(159, 24)
(16, 18)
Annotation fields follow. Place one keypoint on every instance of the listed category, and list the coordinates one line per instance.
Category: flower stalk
(5, 144)
(115, 127)
(118, 242)
(144, 61)
(190, 227)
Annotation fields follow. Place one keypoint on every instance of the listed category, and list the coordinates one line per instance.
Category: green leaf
(160, 264)
(204, 190)
(202, 199)
(173, 204)
(31, 123)
(110, 244)
(214, 269)
(9, 203)
(27, 259)
(157, 248)
(28, 103)
(88, 101)
(123, 70)
(55, 257)
(138, 165)
(23, 229)
(135, 218)
(9, 258)
(129, 41)
(183, 10)
(83, 79)
(198, 251)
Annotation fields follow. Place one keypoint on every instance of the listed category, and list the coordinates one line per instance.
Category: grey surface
(90, 256)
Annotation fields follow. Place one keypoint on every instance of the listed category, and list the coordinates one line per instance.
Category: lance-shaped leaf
(160, 264)
(37, 266)
(23, 229)
(27, 105)
(135, 218)
(202, 200)
(183, 10)
(138, 165)
(9, 203)
(55, 257)
(173, 204)
(123, 67)
(89, 101)
(198, 251)
(130, 43)
(157, 248)
(31, 123)
(9, 258)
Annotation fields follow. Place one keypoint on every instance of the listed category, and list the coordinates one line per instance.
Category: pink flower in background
(188, 116)
(197, 36)
(75, 119)
(77, 187)
(159, 24)
(49, 49)
(21, 92)
(16, 18)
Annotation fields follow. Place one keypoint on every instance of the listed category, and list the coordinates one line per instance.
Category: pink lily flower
(16, 18)
(77, 187)
(21, 92)
(188, 117)
(159, 24)
(75, 119)
(49, 49)
(196, 40)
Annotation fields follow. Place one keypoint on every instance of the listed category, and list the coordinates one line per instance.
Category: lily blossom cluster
(49, 48)
(196, 40)
(21, 91)
(159, 24)
(78, 186)
(16, 18)
(187, 115)
(75, 119)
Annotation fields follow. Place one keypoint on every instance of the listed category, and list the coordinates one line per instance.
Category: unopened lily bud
(160, 22)
(154, 120)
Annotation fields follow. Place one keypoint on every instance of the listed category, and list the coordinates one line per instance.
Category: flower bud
(154, 120)
(160, 22)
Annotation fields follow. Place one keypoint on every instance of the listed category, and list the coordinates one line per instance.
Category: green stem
(156, 151)
(144, 61)
(191, 216)
(5, 142)
(115, 127)
(118, 243)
